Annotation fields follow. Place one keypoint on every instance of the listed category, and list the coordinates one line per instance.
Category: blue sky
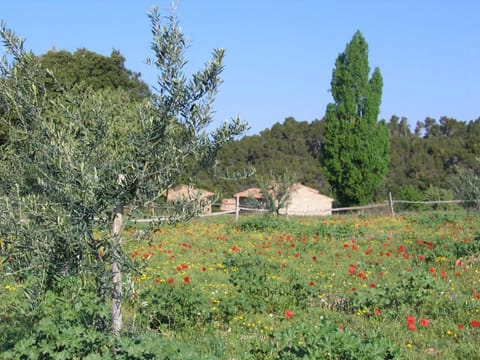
(280, 53)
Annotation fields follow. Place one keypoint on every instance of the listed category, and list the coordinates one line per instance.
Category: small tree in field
(355, 152)
(277, 191)
(69, 160)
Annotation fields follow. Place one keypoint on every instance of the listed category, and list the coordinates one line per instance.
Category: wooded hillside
(421, 160)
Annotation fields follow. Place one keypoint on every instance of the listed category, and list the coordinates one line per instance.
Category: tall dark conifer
(356, 146)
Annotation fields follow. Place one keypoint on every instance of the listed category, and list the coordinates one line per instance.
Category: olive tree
(72, 163)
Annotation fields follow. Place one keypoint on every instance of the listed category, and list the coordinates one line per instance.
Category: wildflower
(475, 323)
(411, 319)
(288, 314)
(412, 327)
(444, 274)
(351, 271)
(170, 280)
(424, 322)
(341, 326)
(186, 280)
(377, 311)
(314, 258)
(157, 280)
(460, 326)
(372, 285)
(311, 283)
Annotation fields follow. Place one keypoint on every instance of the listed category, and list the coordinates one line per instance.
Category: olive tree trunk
(116, 306)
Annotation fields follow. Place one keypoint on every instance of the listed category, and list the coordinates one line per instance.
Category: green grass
(344, 286)
(340, 287)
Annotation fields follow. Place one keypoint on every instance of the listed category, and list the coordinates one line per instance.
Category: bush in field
(466, 185)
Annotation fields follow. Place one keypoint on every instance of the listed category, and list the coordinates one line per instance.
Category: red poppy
(475, 323)
(372, 285)
(424, 322)
(288, 314)
(362, 275)
(314, 258)
(460, 326)
(377, 311)
(411, 319)
(186, 279)
(412, 327)
(184, 266)
(170, 280)
(311, 283)
(351, 271)
(157, 280)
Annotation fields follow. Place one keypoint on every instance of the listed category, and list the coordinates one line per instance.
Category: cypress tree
(356, 145)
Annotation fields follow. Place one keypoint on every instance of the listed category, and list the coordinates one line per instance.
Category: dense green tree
(89, 69)
(356, 146)
(83, 70)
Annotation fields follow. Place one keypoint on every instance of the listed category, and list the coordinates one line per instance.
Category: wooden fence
(388, 206)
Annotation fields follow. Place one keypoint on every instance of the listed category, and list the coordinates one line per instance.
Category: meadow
(340, 287)
(331, 288)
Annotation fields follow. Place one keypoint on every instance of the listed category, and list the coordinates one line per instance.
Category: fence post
(390, 201)
(237, 208)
